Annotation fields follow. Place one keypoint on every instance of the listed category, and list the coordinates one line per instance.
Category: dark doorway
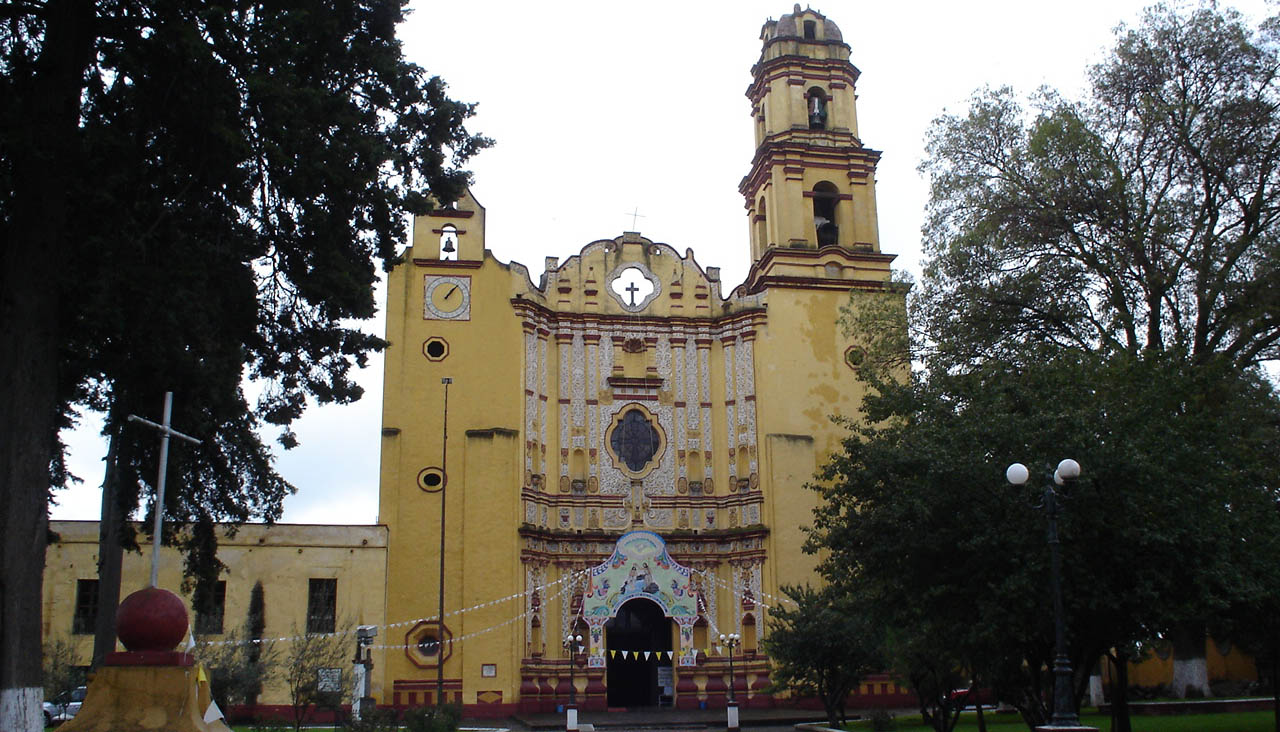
(638, 626)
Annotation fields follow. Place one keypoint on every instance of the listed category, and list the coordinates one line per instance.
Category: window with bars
(86, 607)
(322, 605)
(209, 616)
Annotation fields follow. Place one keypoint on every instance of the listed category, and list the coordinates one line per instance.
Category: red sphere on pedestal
(151, 619)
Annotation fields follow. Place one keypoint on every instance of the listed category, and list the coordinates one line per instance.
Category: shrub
(443, 718)
(881, 719)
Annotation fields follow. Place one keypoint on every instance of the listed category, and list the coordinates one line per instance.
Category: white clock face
(447, 298)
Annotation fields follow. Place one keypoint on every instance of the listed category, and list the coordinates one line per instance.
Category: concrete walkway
(651, 719)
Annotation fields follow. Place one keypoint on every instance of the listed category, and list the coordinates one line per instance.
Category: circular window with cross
(633, 286)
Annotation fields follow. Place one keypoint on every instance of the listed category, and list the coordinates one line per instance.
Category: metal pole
(1064, 708)
(573, 686)
(732, 700)
(444, 462)
(159, 511)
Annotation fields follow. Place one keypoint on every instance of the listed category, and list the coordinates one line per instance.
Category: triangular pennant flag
(200, 674)
(626, 654)
(613, 653)
(213, 713)
(669, 655)
(646, 655)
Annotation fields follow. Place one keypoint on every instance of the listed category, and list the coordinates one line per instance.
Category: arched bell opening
(825, 198)
(817, 99)
(449, 243)
(639, 641)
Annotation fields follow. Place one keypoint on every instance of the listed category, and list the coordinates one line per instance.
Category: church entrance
(633, 679)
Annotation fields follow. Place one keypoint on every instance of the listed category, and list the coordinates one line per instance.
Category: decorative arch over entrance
(639, 568)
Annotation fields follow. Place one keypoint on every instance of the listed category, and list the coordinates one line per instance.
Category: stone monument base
(134, 697)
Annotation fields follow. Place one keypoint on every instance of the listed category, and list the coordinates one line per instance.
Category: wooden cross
(165, 432)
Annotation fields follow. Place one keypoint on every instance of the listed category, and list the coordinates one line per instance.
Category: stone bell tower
(812, 182)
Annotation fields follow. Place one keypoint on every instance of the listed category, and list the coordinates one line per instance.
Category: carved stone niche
(578, 487)
(695, 487)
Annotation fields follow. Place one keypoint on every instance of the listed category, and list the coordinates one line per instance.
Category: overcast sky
(602, 108)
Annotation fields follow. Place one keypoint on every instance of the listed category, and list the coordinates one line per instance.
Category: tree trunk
(1120, 695)
(110, 555)
(1275, 683)
(41, 146)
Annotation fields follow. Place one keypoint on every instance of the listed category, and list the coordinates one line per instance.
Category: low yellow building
(322, 578)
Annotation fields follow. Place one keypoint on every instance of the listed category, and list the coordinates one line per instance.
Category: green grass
(1234, 722)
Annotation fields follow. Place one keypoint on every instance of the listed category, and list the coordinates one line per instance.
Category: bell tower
(812, 182)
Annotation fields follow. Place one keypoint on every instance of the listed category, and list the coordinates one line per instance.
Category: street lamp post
(571, 644)
(1064, 708)
(731, 641)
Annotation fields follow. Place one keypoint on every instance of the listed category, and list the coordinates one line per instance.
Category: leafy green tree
(238, 668)
(822, 647)
(1131, 233)
(1142, 216)
(255, 626)
(192, 193)
(916, 512)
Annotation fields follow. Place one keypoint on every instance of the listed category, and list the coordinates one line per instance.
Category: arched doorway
(633, 680)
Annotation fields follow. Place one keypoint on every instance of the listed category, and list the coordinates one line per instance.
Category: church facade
(619, 450)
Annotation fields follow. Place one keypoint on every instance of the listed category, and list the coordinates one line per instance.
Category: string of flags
(637, 654)
(565, 580)
(738, 595)
(565, 583)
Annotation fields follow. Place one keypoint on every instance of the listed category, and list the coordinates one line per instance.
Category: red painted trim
(448, 263)
(449, 213)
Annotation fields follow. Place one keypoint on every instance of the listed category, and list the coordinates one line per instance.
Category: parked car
(972, 697)
(63, 706)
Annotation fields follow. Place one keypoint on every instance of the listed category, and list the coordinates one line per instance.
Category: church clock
(447, 297)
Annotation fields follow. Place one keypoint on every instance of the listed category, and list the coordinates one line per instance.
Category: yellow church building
(618, 451)
(588, 479)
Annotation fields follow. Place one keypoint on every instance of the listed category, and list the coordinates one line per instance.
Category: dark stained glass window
(634, 440)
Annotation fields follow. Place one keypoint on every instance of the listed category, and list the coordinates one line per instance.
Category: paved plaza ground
(692, 720)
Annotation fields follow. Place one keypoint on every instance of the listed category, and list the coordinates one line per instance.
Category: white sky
(599, 108)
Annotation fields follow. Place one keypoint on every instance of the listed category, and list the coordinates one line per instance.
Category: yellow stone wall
(283, 557)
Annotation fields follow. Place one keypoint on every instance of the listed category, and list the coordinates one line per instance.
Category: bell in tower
(812, 182)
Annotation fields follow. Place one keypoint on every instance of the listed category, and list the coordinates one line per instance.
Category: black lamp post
(731, 641)
(731, 709)
(1064, 708)
(571, 643)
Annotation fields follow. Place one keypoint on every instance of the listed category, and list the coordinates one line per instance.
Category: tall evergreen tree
(192, 193)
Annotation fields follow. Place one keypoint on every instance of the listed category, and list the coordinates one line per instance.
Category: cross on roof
(632, 289)
(635, 214)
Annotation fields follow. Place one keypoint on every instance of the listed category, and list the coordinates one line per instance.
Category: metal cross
(632, 289)
(635, 214)
(165, 432)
